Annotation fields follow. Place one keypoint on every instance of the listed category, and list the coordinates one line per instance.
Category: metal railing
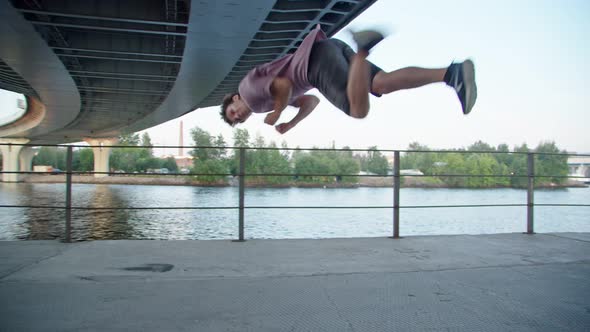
(242, 175)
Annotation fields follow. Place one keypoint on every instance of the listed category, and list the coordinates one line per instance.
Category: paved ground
(501, 282)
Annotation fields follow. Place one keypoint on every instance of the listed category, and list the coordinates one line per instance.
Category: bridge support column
(26, 159)
(102, 153)
(10, 158)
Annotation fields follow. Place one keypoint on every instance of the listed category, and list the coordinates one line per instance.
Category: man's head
(234, 110)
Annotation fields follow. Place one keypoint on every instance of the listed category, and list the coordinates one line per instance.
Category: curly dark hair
(227, 100)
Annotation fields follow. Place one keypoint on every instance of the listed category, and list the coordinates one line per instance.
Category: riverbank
(180, 180)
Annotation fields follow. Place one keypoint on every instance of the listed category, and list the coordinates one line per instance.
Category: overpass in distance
(92, 69)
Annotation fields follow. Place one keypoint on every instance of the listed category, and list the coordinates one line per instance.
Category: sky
(10, 110)
(531, 60)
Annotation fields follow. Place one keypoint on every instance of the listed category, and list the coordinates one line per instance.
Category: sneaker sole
(470, 87)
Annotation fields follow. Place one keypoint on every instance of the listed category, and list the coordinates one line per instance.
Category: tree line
(488, 160)
(213, 162)
(264, 161)
(492, 166)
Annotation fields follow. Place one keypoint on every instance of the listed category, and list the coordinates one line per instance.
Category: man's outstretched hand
(283, 127)
(271, 118)
(306, 104)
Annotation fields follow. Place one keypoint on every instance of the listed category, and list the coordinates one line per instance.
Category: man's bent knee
(359, 112)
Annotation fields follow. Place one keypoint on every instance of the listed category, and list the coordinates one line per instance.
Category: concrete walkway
(502, 282)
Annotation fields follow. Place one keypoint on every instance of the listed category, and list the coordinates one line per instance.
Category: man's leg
(357, 89)
(459, 76)
(359, 85)
(406, 78)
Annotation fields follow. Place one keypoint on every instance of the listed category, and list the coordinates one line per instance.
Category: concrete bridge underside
(92, 69)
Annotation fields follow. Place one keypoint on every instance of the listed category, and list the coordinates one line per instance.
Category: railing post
(530, 193)
(241, 193)
(69, 195)
(396, 187)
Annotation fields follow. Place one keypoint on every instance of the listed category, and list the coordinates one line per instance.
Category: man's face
(237, 111)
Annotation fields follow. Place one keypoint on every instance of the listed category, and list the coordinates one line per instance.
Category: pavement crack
(333, 303)
(38, 261)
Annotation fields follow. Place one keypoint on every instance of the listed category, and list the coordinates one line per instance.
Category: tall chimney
(180, 141)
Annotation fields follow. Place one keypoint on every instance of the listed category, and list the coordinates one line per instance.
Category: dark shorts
(327, 71)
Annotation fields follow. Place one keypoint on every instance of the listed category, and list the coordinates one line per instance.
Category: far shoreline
(184, 180)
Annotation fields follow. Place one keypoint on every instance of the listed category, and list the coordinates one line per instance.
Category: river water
(35, 224)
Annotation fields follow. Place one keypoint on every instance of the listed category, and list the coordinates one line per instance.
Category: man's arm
(280, 89)
(306, 104)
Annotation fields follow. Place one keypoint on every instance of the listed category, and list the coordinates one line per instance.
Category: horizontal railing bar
(122, 208)
(559, 204)
(494, 176)
(288, 207)
(302, 149)
(295, 174)
(380, 207)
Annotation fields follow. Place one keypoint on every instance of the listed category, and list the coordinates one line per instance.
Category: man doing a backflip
(344, 77)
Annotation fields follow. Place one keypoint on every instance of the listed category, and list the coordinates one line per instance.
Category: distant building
(579, 166)
(183, 161)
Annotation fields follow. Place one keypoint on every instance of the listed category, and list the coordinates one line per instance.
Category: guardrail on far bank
(241, 154)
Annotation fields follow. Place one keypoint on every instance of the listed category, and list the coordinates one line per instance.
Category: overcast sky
(10, 110)
(531, 61)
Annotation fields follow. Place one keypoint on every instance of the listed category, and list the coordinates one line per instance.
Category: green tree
(518, 167)
(241, 140)
(266, 159)
(129, 139)
(207, 160)
(220, 152)
(241, 137)
(306, 165)
(321, 163)
(170, 164)
(423, 161)
(453, 164)
(85, 160)
(202, 140)
(276, 163)
(552, 165)
(347, 164)
(130, 158)
(480, 146)
(376, 162)
(147, 142)
(51, 156)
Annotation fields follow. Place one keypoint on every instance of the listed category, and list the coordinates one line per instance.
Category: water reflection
(35, 223)
(40, 224)
(102, 224)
